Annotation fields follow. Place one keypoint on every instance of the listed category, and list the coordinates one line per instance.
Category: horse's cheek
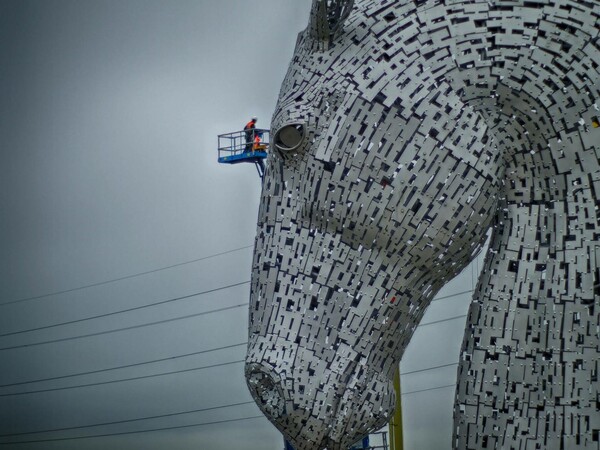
(449, 222)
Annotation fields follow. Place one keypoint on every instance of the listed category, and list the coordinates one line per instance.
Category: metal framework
(406, 132)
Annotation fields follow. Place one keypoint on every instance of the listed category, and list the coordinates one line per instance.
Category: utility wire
(139, 274)
(169, 320)
(126, 277)
(165, 428)
(91, 372)
(452, 295)
(182, 412)
(428, 368)
(143, 377)
(162, 302)
(437, 321)
(161, 374)
(137, 308)
(81, 336)
(429, 389)
(134, 432)
(12, 394)
(118, 422)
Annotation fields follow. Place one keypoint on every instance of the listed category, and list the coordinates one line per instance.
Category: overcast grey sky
(109, 112)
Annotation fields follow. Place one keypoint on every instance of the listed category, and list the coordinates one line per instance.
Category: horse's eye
(289, 137)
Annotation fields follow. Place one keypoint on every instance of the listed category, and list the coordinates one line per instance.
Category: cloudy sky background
(111, 199)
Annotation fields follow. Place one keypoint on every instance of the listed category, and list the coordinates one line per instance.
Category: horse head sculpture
(404, 132)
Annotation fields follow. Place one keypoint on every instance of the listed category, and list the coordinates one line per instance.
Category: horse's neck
(532, 73)
(548, 249)
(545, 246)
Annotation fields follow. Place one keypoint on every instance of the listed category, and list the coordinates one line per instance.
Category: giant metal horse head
(406, 130)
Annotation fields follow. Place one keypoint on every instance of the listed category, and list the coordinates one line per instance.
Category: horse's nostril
(266, 391)
(289, 137)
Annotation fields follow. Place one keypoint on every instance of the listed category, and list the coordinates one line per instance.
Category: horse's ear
(327, 20)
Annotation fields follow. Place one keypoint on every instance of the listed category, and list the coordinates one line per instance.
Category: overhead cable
(118, 422)
(121, 380)
(171, 320)
(126, 366)
(428, 368)
(136, 308)
(115, 330)
(114, 280)
(134, 432)
(439, 321)
(165, 428)
(170, 358)
(162, 302)
(437, 299)
(38, 391)
(428, 389)
(126, 277)
(32, 344)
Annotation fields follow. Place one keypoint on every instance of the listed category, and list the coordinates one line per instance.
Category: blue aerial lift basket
(245, 147)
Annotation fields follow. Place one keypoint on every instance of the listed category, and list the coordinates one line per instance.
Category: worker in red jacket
(249, 130)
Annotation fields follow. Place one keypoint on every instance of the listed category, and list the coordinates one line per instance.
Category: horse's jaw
(332, 411)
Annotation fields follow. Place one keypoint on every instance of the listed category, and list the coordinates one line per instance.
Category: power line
(134, 432)
(163, 428)
(99, 333)
(166, 321)
(428, 368)
(137, 308)
(437, 299)
(91, 372)
(162, 302)
(147, 272)
(429, 389)
(143, 377)
(437, 321)
(163, 374)
(170, 320)
(118, 422)
(169, 358)
(184, 412)
(126, 277)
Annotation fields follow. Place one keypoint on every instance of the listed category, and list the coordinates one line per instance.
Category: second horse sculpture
(405, 131)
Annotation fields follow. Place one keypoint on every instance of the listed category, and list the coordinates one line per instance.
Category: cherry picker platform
(246, 146)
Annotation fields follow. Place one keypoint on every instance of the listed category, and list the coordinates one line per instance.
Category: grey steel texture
(406, 131)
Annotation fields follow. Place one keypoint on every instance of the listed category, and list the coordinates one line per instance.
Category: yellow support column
(396, 438)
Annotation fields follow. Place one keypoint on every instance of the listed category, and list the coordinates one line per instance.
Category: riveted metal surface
(427, 124)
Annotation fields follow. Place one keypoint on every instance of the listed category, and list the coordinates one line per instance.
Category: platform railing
(240, 142)
(363, 445)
